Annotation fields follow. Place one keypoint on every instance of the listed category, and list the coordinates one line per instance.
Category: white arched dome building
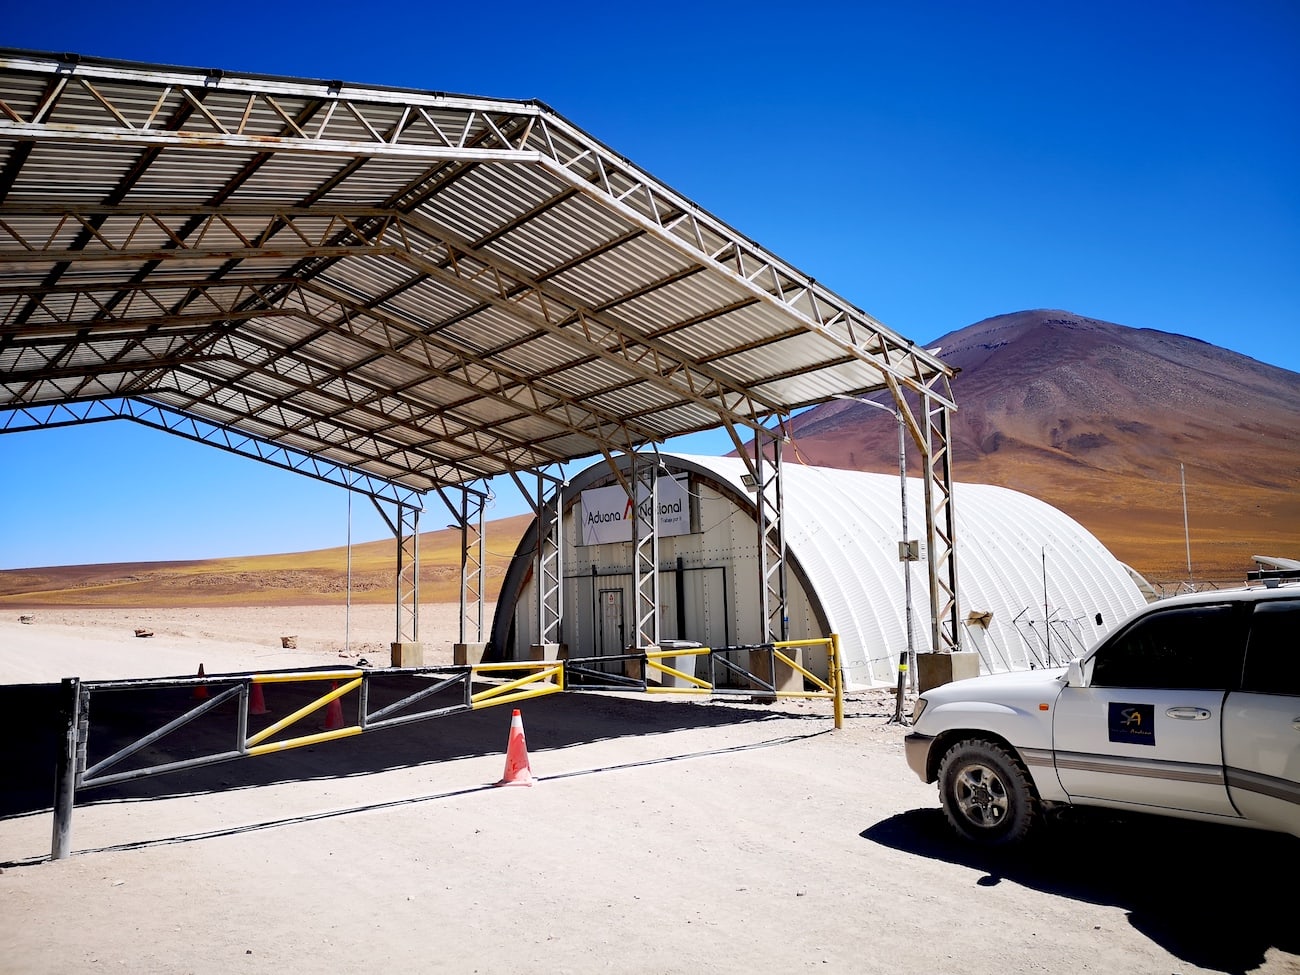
(1017, 556)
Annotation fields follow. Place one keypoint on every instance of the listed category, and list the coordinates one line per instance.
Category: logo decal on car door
(1132, 723)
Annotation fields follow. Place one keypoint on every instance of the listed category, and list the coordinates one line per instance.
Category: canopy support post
(941, 528)
(644, 498)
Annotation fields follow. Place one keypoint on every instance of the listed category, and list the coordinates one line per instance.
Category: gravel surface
(663, 835)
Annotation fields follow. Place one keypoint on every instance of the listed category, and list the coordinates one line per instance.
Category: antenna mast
(1187, 538)
(1047, 623)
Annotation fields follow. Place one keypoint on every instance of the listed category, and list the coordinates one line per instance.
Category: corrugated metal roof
(427, 288)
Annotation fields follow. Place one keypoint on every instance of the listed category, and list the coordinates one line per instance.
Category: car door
(1261, 722)
(1144, 730)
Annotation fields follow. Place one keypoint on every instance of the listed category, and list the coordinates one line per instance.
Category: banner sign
(606, 513)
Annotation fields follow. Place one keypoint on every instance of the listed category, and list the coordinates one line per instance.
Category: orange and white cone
(517, 769)
(200, 690)
(334, 712)
(257, 700)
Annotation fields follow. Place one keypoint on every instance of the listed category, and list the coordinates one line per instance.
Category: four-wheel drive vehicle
(1189, 708)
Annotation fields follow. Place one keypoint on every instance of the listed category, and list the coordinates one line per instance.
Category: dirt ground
(663, 835)
(98, 644)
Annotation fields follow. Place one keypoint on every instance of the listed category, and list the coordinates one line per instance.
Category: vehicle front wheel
(987, 796)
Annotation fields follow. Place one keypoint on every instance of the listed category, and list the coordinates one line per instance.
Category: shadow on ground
(29, 721)
(1215, 896)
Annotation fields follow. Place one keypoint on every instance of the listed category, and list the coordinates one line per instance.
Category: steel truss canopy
(423, 288)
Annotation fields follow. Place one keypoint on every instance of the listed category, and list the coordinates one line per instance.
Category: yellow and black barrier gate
(225, 720)
(227, 717)
(765, 670)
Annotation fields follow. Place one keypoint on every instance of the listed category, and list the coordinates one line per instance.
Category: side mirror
(1074, 673)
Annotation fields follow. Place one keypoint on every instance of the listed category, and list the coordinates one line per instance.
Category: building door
(611, 638)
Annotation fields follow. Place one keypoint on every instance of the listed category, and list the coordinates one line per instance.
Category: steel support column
(408, 574)
(548, 507)
(769, 501)
(940, 527)
(469, 519)
(406, 529)
(550, 561)
(644, 497)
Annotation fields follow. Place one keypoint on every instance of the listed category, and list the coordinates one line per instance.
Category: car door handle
(1188, 714)
(1296, 724)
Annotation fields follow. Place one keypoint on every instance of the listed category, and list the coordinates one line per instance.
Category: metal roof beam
(205, 431)
(428, 143)
(282, 369)
(268, 403)
(592, 169)
(124, 185)
(255, 411)
(343, 222)
(11, 261)
(832, 320)
(474, 372)
(432, 470)
(135, 329)
(139, 376)
(220, 299)
(522, 132)
(548, 308)
(465, 362)
(339, 225)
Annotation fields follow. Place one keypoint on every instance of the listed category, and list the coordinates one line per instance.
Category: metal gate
(376, 699)
(383, 699)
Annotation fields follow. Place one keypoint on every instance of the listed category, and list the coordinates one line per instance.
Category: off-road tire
(987, 795)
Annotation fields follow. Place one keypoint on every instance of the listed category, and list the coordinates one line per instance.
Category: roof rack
(1273, 577)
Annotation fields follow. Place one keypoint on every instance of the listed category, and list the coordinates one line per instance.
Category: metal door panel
(1262, 752)
(1142, 746)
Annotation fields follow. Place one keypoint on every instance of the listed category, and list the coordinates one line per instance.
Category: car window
(1273, 654)
(1182, 648)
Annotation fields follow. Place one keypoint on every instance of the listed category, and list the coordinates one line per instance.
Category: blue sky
(935, 163)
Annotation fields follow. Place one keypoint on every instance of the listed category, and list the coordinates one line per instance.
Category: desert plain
(662, 834)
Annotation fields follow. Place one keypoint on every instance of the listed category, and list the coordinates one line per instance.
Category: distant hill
(1095, 418)
(1090, 416)
(294, 579)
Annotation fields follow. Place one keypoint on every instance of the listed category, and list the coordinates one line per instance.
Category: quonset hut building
(1036, 587)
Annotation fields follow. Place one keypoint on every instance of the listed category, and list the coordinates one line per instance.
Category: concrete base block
(935, 669)
(786, 678)
(634, 669)
(548, 651)
(468, 654)
(408, 654)
(686, 664)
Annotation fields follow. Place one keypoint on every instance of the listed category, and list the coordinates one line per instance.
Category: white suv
(1189, 708)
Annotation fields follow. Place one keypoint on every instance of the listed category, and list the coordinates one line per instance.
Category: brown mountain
(1095, 418)
(1092, 417)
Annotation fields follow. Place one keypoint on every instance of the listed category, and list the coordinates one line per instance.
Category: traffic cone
(334, 712)
(200, 691)
(256, 700)
(517, 769)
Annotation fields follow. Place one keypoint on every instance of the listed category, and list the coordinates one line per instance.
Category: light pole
(905, 555)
